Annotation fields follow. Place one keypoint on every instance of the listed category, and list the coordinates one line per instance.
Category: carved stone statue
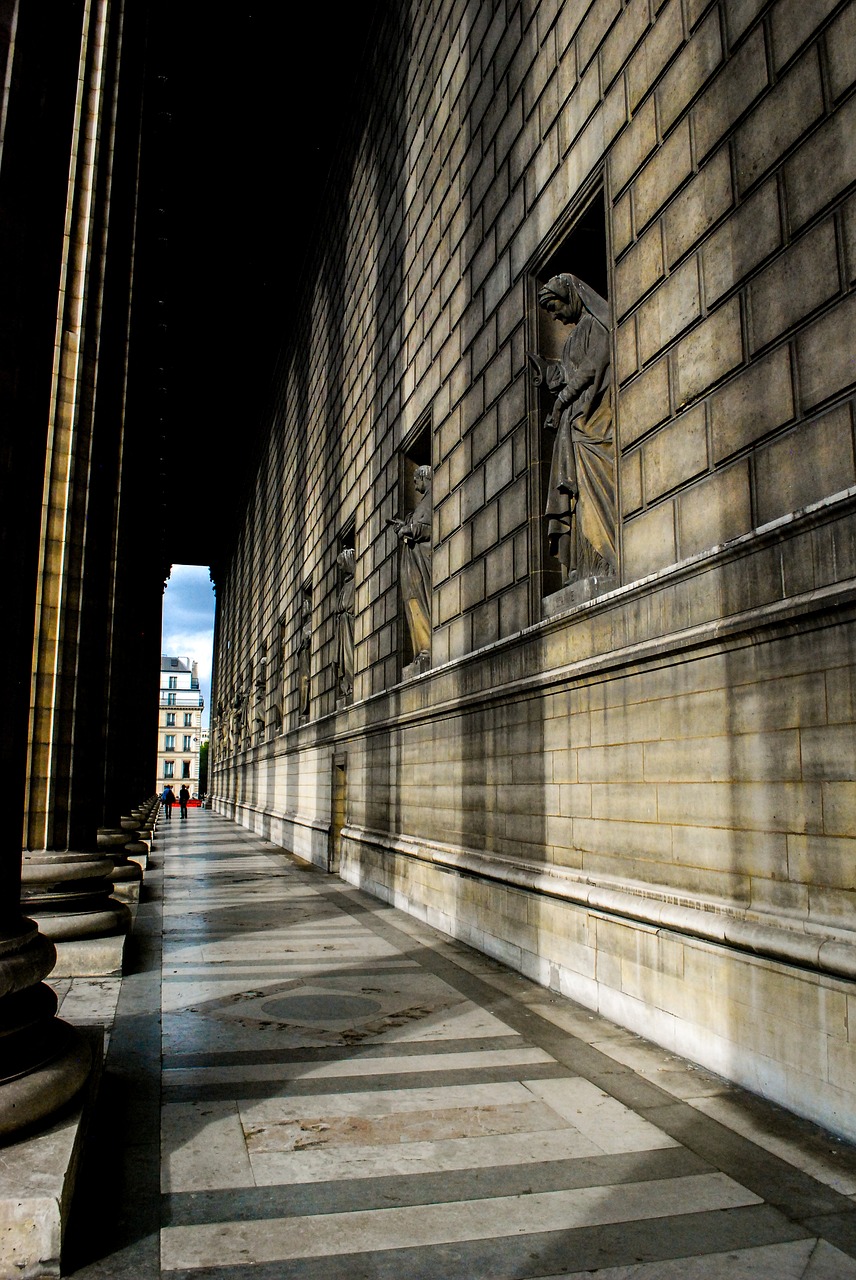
(346, 562)
(304, 658)
(240, 706)
(581, 501)
(414, 536)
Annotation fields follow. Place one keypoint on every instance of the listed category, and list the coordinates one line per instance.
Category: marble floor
(306, 1084)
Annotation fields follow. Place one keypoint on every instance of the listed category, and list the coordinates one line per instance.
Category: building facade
(539, 618)
(180, 706)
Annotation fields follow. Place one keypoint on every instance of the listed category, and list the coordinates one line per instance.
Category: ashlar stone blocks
(682, 740)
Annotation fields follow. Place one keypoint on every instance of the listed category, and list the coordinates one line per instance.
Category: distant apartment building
(180, 736)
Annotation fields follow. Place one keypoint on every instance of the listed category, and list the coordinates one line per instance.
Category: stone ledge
(37, 1177)
(473, 680)
(728, 925)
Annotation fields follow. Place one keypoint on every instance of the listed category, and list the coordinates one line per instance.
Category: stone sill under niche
(763, 934)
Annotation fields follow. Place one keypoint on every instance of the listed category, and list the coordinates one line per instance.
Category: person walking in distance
(167, 799)
(183, 797)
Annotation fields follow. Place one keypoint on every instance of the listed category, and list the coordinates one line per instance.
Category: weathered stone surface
(663, 173)
(715, 510)
(661, 42)
(644, 402)
(803, 467)
(676, 454)
(673, 307)
(778, 121)
(690, 71)
(638, 270)
(752, 404)
(742, 243)
(793, 24)
(822, 166)
(649, 541)
(702, 202)
(793, 286)
(824, 354)
(37, 1176)
(739, 83)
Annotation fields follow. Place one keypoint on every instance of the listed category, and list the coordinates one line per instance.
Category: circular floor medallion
(335, 1007)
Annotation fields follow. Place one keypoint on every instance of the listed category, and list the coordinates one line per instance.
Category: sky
(188, 623)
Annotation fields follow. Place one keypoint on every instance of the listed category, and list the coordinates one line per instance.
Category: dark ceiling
(246, 117)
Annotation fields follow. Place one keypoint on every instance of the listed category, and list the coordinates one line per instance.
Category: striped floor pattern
(347, 1094)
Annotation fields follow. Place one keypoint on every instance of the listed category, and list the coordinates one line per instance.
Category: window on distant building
(185, 768)
(169, 742)
(188, 719)
(173, 682)
(169, 768)
(170, 719)
(186, 743)
(170, 699)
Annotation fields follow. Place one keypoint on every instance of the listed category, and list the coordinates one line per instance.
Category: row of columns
(79, 536)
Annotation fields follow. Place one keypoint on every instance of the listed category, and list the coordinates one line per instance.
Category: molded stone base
(420, 664)
(775, 1028)
(37, 1176)
(89, 957)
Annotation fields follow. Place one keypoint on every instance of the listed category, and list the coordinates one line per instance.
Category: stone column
(84, 753)
(43, 1061)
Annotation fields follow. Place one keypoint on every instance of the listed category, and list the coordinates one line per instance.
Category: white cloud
(191, 644)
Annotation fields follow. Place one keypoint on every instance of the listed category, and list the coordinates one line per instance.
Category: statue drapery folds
(580, 506)
(304, 657)
(414, 537)
(345, 627)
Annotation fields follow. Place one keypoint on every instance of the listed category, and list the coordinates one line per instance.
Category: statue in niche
(414, 536)
(346, 561)
(240, 707)
(220, 732)
(581, 500)
(282, 661)
(304, 657)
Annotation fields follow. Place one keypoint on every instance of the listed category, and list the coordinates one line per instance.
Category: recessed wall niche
(345, 593)
(304, 653)
(571, 370)
(413, 530)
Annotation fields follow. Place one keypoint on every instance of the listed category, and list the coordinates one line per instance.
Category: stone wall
(646, 800)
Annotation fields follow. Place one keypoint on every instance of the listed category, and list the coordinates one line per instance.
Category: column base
(69, 896)
(90, 957)
(127, 875)
(27, 1100)
(37, 1176)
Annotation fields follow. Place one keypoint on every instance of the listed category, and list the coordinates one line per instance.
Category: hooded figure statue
(414, 535)
(346, 560)
(581, 501)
